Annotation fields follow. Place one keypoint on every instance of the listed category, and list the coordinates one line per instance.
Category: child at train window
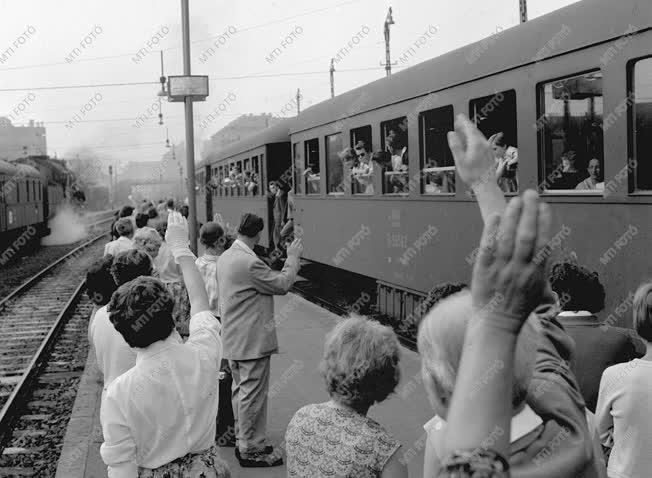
(212, 237)
(125, 229)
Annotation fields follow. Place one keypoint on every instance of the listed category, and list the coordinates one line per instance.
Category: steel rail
(11, 409)
(36, 277)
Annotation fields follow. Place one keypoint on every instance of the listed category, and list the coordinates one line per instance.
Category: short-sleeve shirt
(165, 406)
(324, 441)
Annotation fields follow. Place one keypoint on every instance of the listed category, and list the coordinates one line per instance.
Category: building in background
(21, 141)
(239, 128)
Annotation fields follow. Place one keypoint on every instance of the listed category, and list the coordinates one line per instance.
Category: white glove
(176, 236)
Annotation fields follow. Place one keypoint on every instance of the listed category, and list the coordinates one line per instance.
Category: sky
(256, 53)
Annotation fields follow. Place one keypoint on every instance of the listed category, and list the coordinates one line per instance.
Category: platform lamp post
(188, 88)
(332, 71)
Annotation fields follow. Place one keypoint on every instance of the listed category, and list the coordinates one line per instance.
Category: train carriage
(235, 180)
(563, 93)
(21, 205)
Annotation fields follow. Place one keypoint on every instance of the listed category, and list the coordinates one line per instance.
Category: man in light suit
(246, 289)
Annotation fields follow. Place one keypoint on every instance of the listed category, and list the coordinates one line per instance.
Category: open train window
(570, 134)
(495, 116)
(394, 160)
(297, 159)
(311, 171)
(254, 180)
(437, 165)
(362, 171)
(334, 166)
(640, 98)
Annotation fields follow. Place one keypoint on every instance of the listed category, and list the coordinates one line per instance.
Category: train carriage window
(297, 158)
(437, 165)
(362, 169)
(27, 191)
(311, 171)
(394, 158)
(495, 116)
(2, 191)
(246, 176)
(570, 134)
(642, 122)
(334, 166)
(254, 179)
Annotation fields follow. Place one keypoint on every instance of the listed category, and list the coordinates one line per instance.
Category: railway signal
(522, 5)
(389, 20)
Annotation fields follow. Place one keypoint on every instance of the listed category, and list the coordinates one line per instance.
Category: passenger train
(31, 190)
(569, 94)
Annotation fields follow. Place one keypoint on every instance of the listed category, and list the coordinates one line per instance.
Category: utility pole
(332, 78)
(389, 20)
(190, 141)
(522, 5)
(298, 101)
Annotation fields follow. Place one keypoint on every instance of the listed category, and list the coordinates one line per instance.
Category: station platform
(295, 381)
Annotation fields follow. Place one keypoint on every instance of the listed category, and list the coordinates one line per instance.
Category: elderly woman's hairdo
(141, 310)
(643, 311)
(147, 234)
(127, 265)
(360, 362)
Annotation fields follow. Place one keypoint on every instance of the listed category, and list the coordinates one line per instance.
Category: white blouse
(166, 405)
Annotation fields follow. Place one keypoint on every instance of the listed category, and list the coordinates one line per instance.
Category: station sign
(193, 86)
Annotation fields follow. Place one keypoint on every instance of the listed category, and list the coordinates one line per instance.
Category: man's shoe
(262, 459)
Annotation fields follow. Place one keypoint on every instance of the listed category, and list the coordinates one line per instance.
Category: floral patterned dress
(324, 441)
(203, 465)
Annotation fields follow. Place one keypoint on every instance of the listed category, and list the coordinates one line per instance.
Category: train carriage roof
(576, 26)
(26, 170)
(7, 168)
(278, 133)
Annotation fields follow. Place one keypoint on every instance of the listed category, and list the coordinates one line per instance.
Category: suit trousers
(249, 399)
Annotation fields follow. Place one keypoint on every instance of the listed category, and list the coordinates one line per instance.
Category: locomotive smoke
(66, 226)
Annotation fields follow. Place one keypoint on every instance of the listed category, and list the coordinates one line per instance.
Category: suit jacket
(562, 446)
(246, 289)
(597, 347)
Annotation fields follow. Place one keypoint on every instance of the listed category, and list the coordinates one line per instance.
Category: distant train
(31, 190)
(567, 98)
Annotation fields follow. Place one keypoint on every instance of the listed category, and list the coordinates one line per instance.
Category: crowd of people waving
(523, 379)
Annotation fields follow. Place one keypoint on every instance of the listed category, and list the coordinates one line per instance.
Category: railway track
(22, 267)
(31, 318)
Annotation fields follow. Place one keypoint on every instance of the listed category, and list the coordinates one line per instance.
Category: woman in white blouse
(158, 418)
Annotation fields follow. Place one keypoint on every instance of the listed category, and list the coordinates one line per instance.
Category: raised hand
(176, 236)
(296, 248)
(472, 152)
(509, 275)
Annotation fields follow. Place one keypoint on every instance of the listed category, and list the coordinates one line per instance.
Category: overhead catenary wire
(214, 78)
(201, 40)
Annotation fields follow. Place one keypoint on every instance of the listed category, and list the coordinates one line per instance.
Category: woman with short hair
(336, 438)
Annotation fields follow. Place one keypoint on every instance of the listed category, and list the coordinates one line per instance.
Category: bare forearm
(490, 199)
(485, 374)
